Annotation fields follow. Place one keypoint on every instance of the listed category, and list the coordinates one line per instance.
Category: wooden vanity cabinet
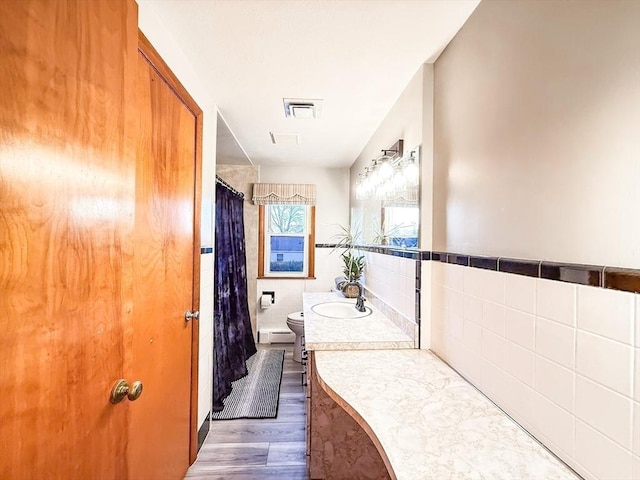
(338, 446)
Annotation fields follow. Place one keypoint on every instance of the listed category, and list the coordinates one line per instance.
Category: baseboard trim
(203, 431)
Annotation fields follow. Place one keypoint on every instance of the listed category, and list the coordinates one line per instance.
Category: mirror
(393, 217)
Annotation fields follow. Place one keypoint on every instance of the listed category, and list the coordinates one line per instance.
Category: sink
(339, 310)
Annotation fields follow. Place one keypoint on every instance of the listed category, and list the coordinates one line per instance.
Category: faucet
(360, 299)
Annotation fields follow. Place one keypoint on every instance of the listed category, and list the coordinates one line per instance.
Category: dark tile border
(625, 279)
(614, 278)
(458, 259)
(486, 263)
(530, 268)
(439, 256)
(572, 273)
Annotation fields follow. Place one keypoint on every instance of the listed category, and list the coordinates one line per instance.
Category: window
(286, 240)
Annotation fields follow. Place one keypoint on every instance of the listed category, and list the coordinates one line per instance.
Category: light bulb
(398, 179)
(411, 173)
(385, 171)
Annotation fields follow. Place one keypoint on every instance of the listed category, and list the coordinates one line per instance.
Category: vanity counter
(425, 421)
(372, 332)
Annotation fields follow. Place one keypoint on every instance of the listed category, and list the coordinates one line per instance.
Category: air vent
(285, 138)
(302, 108)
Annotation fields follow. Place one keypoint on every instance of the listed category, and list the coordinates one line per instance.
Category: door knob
(122, 389)
(188, 315)
(135, 391)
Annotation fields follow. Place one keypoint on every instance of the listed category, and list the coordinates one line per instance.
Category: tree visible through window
(285, 243)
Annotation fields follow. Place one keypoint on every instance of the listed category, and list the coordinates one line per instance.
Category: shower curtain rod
(225, 184)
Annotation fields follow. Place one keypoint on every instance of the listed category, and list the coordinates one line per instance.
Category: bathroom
(513, 165)
(526, 279)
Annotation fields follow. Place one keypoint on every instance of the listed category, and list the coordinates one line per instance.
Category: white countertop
(430, 422)
(373, 332)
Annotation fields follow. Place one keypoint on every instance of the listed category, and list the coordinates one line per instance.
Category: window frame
(310, 243)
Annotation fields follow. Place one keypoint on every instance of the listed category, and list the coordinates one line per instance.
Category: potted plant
(353, 270)
(353, 263)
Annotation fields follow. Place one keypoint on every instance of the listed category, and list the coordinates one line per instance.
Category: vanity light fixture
(390, 176)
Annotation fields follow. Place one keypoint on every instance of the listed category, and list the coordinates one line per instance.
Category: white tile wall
(493, 317)
(554, 423)
(605, 361)
(555, 382)
(555, 342)
(473, 281)
(493, 286)
(472, 309)
(393, 280)
(518, 399)
(601, 456)
(493, 348)
(520, 363)
(607, 313)
(562, 359)
(472, 337)
(605, 410)
(636, 375)
(520, 328)
(556, 301)
(635, 447)
(520, 293)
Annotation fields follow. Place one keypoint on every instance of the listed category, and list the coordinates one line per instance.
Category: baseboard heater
(276, 335)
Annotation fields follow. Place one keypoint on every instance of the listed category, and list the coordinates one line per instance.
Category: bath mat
(256, 395)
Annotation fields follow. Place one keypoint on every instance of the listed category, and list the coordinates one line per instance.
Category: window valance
(406, 198)
(284, 193)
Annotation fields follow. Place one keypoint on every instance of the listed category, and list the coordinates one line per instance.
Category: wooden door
(67, 185)
(166, 273)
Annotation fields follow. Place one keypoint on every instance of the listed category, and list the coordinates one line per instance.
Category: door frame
(155, 60)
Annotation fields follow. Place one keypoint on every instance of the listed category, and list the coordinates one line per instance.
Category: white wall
(537, 133)
(404, 121)
(332, 209)
(166, 46)
(537, 155)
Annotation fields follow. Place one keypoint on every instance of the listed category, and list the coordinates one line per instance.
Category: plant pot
(350, 290)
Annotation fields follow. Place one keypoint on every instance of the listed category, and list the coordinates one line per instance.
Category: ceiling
(355, 55)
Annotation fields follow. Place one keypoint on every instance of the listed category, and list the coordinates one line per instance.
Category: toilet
(295, 322)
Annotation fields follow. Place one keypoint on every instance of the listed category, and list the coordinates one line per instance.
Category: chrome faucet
(360, 299)
(360, 304)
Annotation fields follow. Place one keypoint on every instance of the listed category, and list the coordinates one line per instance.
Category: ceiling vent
(302, 108)
(285, 138)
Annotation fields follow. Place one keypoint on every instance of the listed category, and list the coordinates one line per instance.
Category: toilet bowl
(295, 322)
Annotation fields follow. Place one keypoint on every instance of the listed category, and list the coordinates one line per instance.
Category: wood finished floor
(260, 449)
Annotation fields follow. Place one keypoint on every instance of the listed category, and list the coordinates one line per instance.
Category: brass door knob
(121, 390)
(135, 391)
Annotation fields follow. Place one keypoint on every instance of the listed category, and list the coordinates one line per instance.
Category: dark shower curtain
(233, 339)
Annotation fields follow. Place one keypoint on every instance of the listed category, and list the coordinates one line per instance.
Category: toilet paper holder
(272, 295)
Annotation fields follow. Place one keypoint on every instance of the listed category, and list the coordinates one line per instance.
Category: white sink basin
(339, 310)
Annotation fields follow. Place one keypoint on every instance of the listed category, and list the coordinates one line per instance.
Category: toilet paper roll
(265, 301)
